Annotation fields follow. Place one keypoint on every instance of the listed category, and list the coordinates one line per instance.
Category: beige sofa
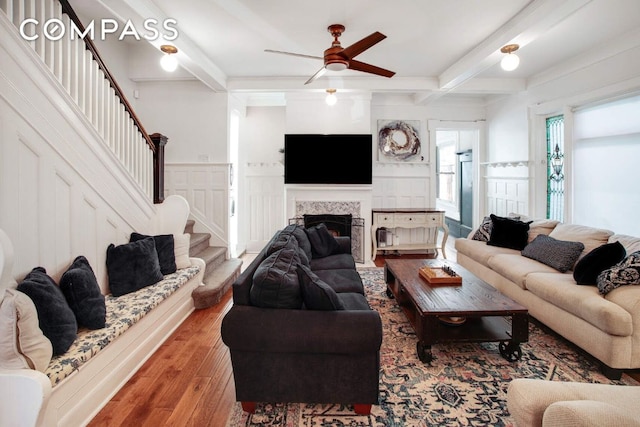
(607, 327)
(560, 404)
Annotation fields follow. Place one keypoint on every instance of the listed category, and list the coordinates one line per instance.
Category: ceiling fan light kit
(168, 62)
(337, 58)
(510, 61)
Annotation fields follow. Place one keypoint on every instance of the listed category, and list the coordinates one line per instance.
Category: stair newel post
(159, 141)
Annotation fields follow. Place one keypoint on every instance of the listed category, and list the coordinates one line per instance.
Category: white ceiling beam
(189, 55)
(375, 84)
(530, 23)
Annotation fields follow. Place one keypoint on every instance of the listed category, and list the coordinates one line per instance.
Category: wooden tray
(436, 276)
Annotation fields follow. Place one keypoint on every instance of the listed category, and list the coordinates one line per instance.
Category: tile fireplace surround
(335, 200)
(337, 208)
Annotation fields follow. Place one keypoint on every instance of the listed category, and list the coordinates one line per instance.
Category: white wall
(190, 114)
(515, 131)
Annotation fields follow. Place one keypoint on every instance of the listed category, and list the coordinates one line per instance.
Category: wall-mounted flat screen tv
(327, 159)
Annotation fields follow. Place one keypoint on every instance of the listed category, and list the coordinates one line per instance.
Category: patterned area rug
(464, 385)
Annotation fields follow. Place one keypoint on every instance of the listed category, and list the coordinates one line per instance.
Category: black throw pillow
(275, 281)
(595, 262)
(82, 292)
(164, 248)
(316, 294)
(322, 241)
(132, 266)
(55, 317)
(508, 233)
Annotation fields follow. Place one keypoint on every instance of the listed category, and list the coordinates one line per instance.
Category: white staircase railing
(78, 67)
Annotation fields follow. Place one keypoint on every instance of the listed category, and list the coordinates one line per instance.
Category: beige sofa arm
(588, 413)
(529, 400)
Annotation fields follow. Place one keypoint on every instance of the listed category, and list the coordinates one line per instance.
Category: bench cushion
(122, 313)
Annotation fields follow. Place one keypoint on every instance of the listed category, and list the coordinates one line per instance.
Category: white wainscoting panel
(206, 188)
(507, 194)
(263, 210)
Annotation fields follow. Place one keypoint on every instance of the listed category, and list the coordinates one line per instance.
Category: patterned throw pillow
(626, 272)
(484, 231)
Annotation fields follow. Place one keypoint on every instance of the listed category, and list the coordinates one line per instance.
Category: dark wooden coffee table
(490, 315)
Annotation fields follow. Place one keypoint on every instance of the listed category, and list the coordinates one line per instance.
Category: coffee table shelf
(490, 315)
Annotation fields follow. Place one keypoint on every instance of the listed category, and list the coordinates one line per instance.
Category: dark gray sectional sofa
(300, 328)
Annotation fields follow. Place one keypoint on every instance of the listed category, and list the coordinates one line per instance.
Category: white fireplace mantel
(334, 198)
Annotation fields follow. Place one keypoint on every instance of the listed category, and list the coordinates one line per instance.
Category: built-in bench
(77, 384)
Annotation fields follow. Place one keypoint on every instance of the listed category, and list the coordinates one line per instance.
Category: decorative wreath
(399, 140)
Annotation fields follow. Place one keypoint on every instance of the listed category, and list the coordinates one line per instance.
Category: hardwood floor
(189, 380)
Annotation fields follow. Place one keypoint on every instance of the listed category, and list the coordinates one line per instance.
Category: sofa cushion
(316, 294)
(55, 317)
(300, 234)
(22, 343)
(342, 280)
(275, 281)
(559, 254)
(164, 248)
(630, 243)
(508, 233)
(354, 301)
(626, 272)
(516, 268)
(541, 226)
(583, 301)
(132, 266)
(322, 241)
(595, 262)
(479, 251)
(333, 262)
(286, 240)
(590, 237)
(82, 292)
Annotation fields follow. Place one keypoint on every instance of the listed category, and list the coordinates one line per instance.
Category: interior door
(466, 191)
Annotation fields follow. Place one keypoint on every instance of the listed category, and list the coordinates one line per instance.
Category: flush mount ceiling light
(169, 62)
(510, 61)
(331, 98)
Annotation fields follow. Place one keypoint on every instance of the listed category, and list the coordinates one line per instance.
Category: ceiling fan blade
(294, 54)
(368, 68)
(362, 45)
(317, 75)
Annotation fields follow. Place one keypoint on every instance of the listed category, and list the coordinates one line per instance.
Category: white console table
(409, 218)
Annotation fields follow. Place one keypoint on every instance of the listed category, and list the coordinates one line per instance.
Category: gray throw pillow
(559, 254)
(322, 241)
(626, 272)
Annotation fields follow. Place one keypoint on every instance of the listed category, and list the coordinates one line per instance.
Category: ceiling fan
(337, 58)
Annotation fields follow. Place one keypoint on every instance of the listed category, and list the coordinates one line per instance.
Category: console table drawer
(434, 220)
(384, 220)
(411, 219)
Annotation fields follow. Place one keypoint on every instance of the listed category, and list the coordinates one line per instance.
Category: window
(446, 166)
(555, 165)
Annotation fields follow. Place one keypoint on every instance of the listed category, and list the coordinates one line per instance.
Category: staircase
(219, 273)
